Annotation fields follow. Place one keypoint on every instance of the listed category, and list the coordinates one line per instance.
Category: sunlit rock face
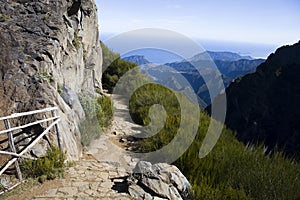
(46, 46)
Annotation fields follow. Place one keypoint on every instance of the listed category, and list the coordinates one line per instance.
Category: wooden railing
(54, 119)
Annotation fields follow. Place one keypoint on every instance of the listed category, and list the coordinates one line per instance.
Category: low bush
(106, 111)
(99, 114)
(45, 168)
(76, 41)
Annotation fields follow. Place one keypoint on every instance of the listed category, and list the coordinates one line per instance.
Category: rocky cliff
(48, 48)
(264, 106)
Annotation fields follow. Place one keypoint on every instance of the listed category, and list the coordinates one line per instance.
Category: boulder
(160, 180)
(71, 98)
(138, 193)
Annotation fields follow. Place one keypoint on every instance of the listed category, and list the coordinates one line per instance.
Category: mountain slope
(235, 69)
(264, 106)
(139, 60)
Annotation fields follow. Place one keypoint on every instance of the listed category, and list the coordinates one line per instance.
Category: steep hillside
(48, 48)
(264, 106)
(235, 69)
(230, 171)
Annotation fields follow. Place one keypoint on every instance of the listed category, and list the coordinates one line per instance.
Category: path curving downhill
(102, 171)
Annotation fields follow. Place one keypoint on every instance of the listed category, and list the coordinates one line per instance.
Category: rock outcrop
(158, 181)
(47, 46)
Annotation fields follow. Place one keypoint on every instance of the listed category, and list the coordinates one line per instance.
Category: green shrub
(4, 17)
(45, 76)
(108, 55)
(76, 40)
(59, 88)
(99, 114)
(98, 91)
(114, 72)
(90, 130)
(45, 168)
(105, 113)
(46, 16)
(115, 68)
(139, 105)
(89, 104)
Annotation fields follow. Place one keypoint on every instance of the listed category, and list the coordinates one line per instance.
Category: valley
(188, 74)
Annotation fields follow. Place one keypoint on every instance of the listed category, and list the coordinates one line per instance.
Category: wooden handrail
(28, 147)
(28, 113)
(40, 137)
(15, 154)
(28, 125)
(9, 131)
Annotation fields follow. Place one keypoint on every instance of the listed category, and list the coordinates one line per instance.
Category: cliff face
(46, 45)
(264, 106)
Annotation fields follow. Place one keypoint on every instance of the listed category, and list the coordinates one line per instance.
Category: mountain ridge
(196, 67)
(263, 106)
(220, 55)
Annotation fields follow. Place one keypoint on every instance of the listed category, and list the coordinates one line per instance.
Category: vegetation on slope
(115, 68)
(231, 170)
(99, 114)
(264, 106)
(139, 106)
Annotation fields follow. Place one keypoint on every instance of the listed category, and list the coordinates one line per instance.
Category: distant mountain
(222, 56)
(264, 106)
(229, 67)
(235, 69)
(139, 60)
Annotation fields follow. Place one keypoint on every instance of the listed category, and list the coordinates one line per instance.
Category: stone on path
(161, 180)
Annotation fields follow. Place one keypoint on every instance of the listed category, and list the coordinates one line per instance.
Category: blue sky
(249, 27)
(274, 22)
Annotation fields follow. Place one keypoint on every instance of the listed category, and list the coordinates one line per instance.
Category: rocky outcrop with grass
(48, 48)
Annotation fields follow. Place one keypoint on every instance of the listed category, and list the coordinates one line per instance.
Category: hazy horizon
(246, 49)
(273, 22)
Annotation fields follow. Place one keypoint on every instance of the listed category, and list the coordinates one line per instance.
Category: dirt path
(113, 146)
(100, 174)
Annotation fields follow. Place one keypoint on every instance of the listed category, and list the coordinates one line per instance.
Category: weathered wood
(39, 137)
(28, 113)
(14, 154)
(13, 148)
(27, 125)
(59, 138)
(45, 117)
(9, 132)
(9, 163)
(12, 187)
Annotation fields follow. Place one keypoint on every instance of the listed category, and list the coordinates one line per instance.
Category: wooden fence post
(59, 139)
(13, 148)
